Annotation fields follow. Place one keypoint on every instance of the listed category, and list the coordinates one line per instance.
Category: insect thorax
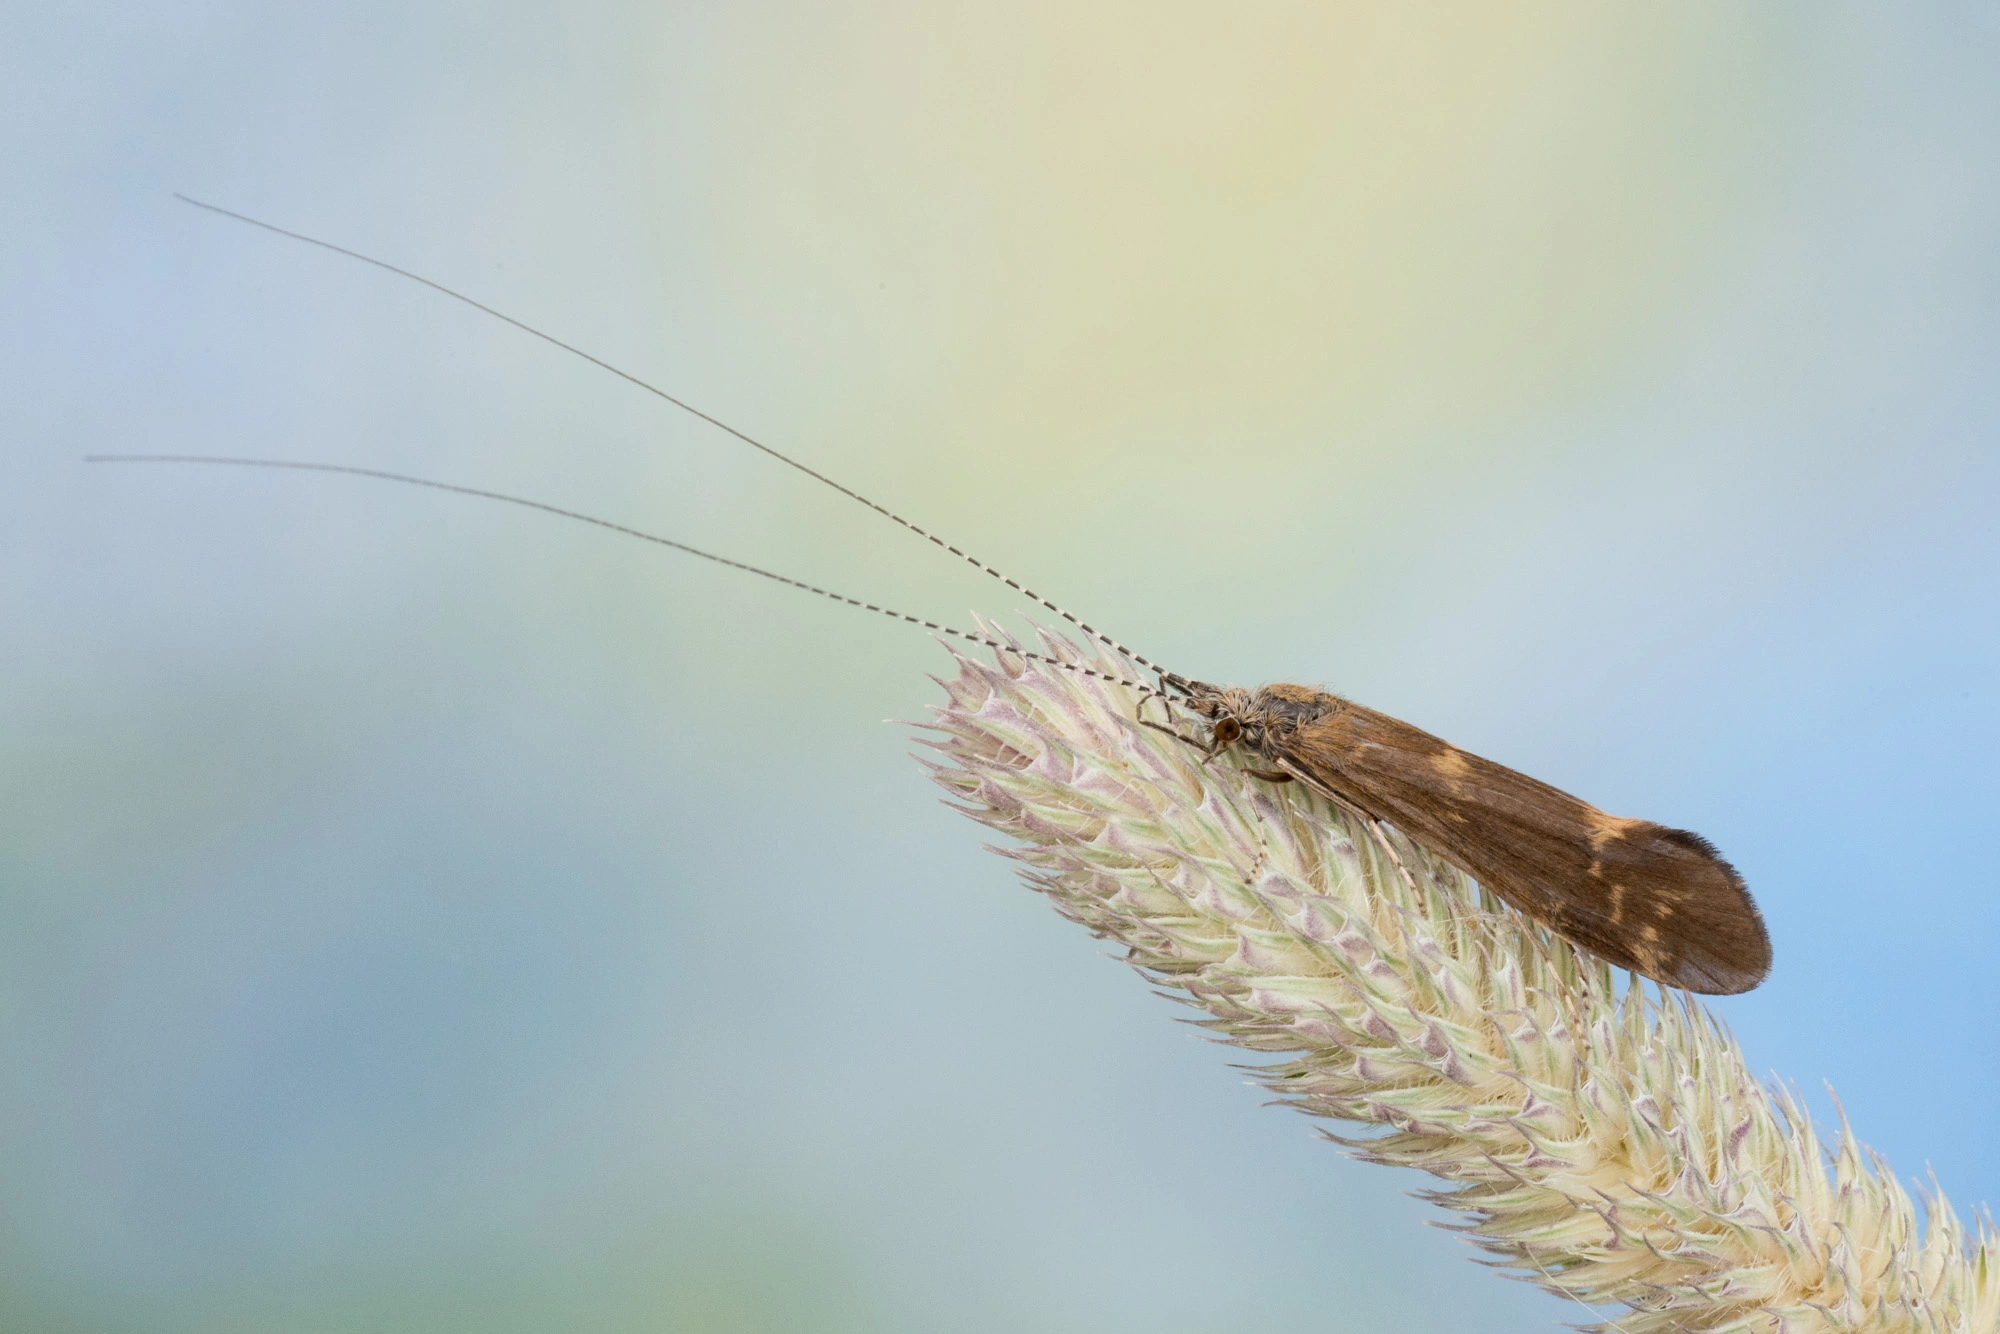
(1286, 705)
(1268, 713)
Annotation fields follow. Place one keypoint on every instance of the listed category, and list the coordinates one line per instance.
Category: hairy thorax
(1276, 714)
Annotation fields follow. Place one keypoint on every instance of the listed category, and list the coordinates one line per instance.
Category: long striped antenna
(641, 534)
(686, 407)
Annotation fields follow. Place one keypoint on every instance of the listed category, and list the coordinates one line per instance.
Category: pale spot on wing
(1450, 765)
(1604, 828)
(1617, 901)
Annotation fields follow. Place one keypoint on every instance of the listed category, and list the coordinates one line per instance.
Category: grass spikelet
(1595, 1140)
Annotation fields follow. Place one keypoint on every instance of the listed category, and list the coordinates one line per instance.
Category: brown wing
(1659, 901)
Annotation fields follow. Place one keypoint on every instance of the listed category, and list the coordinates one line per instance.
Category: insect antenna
(557, 510)
(688, 408)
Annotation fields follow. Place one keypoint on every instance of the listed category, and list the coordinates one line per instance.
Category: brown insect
(1659, 901)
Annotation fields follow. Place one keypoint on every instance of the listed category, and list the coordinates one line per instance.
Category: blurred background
(417, 914)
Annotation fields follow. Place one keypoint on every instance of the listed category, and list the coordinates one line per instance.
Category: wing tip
(1740, 959)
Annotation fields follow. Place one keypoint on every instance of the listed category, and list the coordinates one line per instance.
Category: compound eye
(1227, 730)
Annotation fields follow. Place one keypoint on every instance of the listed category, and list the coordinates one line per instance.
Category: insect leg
(1375, 828)
(1162, 727)
(1263, 848)
(1373, 825)
(1381, 839)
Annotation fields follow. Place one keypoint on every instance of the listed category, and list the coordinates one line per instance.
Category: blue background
(419, 915)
